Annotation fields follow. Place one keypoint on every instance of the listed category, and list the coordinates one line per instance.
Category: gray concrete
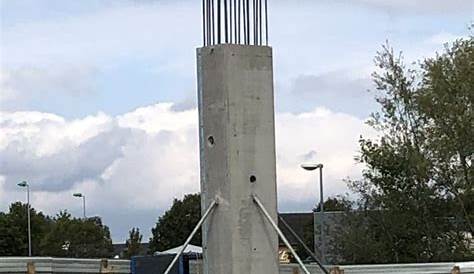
(237, 143)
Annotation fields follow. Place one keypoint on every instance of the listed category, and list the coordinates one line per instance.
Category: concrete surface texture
(237, 149)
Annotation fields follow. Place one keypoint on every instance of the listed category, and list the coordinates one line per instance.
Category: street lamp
(311, 167)
(25, 184)
(80, 195)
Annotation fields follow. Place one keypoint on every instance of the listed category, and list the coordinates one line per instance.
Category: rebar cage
(242, 22)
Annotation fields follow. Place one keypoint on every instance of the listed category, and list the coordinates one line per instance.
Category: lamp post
(25, 184)
(80, 195)
(311, 167)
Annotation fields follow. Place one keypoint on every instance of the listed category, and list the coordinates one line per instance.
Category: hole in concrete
(210, 141)
(253, 179)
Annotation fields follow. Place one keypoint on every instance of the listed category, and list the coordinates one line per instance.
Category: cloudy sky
(99, 96)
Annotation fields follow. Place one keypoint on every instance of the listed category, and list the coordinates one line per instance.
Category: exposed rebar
(235, 22)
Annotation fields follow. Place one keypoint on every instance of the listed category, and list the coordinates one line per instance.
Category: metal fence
(49, 265)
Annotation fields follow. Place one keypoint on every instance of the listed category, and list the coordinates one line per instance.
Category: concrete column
(237, 149)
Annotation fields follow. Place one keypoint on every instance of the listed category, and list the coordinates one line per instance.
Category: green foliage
(338, 203)
(62, 236)
(133, 243)
(10, 239)
(446, 106)
(78, 238)
(416, 193)
(176, 224)
(14, 230)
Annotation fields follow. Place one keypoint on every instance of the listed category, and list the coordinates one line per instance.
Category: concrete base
(237, 148)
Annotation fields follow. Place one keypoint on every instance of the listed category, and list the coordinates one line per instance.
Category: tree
(14, 230)
(133, 243)
(62, 236)
(78, 238)
(57, 242)
(176, 224)
(446, 106)
(92, 239)
(416, 195)
(10, 245)
(338, 203)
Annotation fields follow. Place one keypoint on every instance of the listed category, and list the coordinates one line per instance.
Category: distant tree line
(59, 236)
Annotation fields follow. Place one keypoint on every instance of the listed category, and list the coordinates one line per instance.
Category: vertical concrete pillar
(237, 149)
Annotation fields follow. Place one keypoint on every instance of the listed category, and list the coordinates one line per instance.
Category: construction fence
(49, 265)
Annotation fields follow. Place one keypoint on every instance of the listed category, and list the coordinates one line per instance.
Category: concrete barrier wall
(434, 268)
(49, 265)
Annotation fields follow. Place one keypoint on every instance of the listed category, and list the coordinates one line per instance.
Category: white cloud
(320, 136)
(145, 118)
(145, 158)
(45, 134)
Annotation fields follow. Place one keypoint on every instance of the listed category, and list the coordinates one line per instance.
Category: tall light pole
(80, 195)
(25, 184)
(311, 167)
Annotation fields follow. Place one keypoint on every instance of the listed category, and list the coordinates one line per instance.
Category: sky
(99, 97)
